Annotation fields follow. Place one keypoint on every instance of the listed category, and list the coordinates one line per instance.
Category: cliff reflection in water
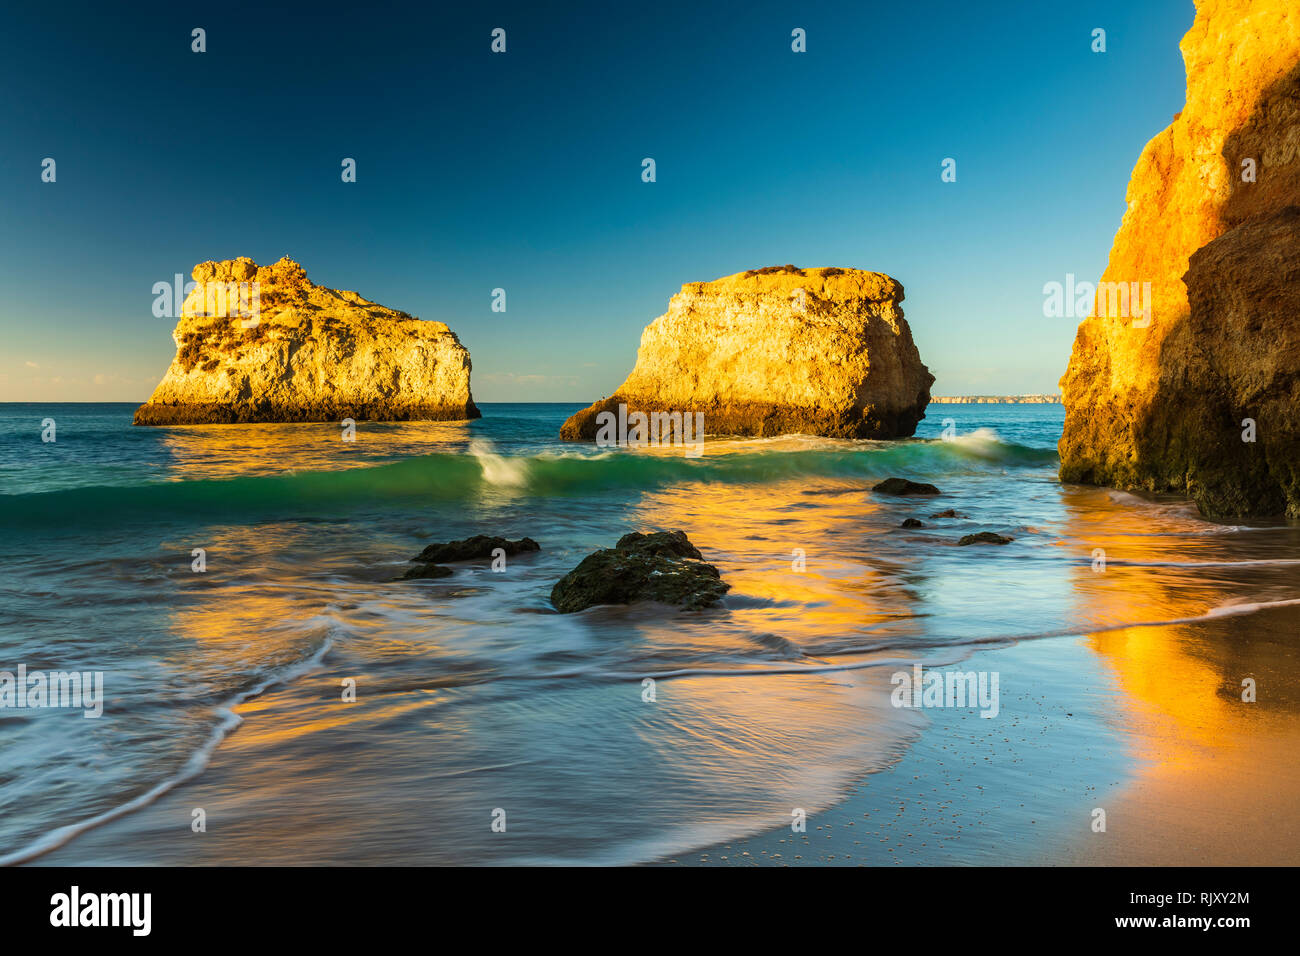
(233, 451)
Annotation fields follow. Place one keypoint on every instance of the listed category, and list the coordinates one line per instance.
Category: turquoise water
(472, 695)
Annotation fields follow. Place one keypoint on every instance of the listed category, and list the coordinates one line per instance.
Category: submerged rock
(478, 546)
(902, 486)
(779, 350)
(1156, 398)
(427, 571)
(985, 537)
(949, 513)
(663, 567)
(912, 523)
(287, 350)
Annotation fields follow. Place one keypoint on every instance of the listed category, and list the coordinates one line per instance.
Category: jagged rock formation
(293, 351)
(779, 350)
(1159, 405)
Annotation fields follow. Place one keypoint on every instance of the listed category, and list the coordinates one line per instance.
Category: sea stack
(265, 344)
(1201, 395)
(779, 350)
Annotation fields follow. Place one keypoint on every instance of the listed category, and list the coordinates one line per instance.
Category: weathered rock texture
(663, 566)
(315, 354)
(1244, 290)
(1161, 407)
(774, 351)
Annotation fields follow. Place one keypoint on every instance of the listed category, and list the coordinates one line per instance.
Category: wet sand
(1146, 724)
(1219, 778)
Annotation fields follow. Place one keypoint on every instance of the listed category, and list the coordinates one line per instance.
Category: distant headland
(995, 400)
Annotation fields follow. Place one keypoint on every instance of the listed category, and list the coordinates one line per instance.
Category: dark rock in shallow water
(986, 537)
(663, 567)
(913, 523)
(426, 571)
(479, 546)
(902, 486)
(949, 513)
(673, 544)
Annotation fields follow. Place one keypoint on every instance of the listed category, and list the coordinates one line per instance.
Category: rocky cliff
(1158, 401)
(779, 350)
(265, 344)
(1244, 293)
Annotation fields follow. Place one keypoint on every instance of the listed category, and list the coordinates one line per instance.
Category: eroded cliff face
(303, 353)
(1244, 292)
(1158, 404)
(779, 350)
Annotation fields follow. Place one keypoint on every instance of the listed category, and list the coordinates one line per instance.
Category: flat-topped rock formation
(1161, 402)
(288, 350)
(775, 351)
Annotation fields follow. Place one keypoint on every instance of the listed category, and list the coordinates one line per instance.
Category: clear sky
(523, 170)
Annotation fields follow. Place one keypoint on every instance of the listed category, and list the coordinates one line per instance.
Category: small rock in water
(986, 537)
(666, 543)
(949, 513)
(479, 546)
(913, 523)
(903, 486)
(426, 571)
(663, 567)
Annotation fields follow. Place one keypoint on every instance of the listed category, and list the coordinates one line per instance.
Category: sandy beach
(1145, 723)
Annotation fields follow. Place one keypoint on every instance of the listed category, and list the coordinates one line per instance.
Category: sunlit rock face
(265, 344)
(777, 351)
(1158, 402)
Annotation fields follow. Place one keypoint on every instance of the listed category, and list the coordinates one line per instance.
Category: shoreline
(1085, 722)
(1136, 716)
(1205, 780)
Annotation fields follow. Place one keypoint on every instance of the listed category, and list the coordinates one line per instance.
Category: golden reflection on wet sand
(1217, 776)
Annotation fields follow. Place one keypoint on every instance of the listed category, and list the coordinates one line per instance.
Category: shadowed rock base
(221, 414)
(761, 419)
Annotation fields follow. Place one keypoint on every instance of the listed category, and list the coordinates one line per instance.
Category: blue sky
(523, 170)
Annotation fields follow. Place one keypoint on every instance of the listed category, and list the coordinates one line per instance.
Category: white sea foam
(498, 470)
(227, 721)
(981, 443)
